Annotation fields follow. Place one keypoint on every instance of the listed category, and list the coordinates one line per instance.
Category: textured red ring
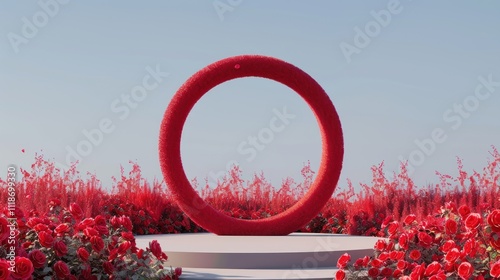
(251, 66)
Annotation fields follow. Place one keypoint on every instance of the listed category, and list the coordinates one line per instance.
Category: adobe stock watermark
(31, 26)
(256, 143)
(121, 108)
(372, 29)
(223, 6)
(11, 242)
(454, 117)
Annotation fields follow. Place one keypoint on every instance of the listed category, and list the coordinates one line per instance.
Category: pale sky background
(64, 67)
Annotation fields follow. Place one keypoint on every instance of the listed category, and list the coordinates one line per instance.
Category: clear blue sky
(397, 72)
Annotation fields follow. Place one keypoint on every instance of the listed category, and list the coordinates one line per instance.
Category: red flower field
(72, 228)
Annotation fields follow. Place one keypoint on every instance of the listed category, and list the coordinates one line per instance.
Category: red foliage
(152, 210)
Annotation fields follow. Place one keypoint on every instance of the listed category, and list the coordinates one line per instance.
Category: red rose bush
(60, 245)
(452, 244)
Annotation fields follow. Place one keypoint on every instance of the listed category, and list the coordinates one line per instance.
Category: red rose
(424, 239)
(380, 245)
(343, 260)
(409, 219)
(41, 227)
(396, 274)
(495, 269)
(464, 211)
(97, 243)
(62, 229)
(54, 202)
(61, 269)
(465, 270)
(100, 220)
(108, 268)
(127, 235)
(4, 229)
(402, 265)
(76, 211)
(86, 273)
(37, 258)
(125, 222)
(83, 254)
(89, 232)
(418, 271)
(122, 249)
(32, 222)
(23, 268)
(156, 249)
(103, 230)
(340, 275)
(452, 255)
(383, 256)
(495, 240)
(473, 220)
(386, 272)
(447, 246)
(470, 247)
(4, 270)
(397, 255)
(403, 241)
(60, 248)
(178, 271)
(451, 226)
(377, 263)
(415, 255)
(392, 228)
(46, 239)
(439, 276)
(494, 220)
(432, 269)
(373, 272)
(88, 222)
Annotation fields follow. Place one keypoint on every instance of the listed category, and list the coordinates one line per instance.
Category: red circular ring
(238, 67)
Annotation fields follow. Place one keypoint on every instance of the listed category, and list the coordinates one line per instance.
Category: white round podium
(294, 256)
